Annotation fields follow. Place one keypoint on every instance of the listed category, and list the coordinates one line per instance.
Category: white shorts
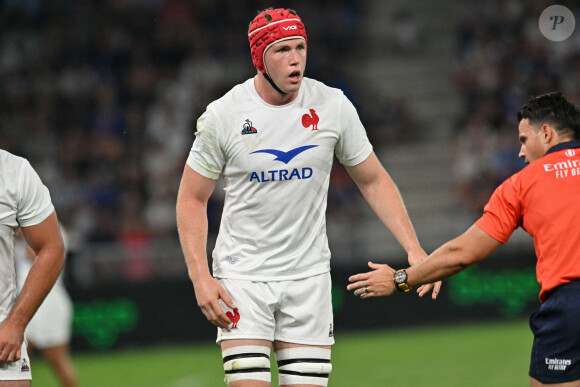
(17, 370)
(51, 325)
(297, 311)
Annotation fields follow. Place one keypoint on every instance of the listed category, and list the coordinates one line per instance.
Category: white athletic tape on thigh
(261, 376)
(247, 362)
(304, 365)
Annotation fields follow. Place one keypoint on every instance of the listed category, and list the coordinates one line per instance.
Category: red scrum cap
(269, 27)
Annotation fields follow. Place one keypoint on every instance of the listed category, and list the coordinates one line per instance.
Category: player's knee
(304, 365)
(247, 362)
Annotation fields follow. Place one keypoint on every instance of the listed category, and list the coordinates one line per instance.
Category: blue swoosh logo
(285, 157)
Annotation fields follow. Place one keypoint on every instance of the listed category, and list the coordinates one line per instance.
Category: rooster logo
(234, 317)
(311, 119)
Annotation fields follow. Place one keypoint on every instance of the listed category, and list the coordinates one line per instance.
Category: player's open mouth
(295, 76)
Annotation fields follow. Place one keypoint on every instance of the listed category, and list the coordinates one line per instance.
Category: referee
(543, 199)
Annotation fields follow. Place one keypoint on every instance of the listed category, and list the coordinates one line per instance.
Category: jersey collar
(564, 145)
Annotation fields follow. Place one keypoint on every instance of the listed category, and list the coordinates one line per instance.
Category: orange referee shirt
(544, 199)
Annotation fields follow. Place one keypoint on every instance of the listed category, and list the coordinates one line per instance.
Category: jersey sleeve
(206, 157)
(34, 203)
(353, 146)
(502, 213)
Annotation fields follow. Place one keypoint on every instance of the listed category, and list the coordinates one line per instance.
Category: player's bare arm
(382, 194)
(192, 198)
(46, 241)
(454, 256)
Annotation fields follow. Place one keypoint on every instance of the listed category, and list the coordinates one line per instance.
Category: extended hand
(375, 283)
(424, 289)
(379, 283)
(415, 259)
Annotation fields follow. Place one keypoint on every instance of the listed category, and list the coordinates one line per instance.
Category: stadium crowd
(102, 98)
(502, 60)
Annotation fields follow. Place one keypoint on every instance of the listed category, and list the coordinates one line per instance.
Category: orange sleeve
(502, 213)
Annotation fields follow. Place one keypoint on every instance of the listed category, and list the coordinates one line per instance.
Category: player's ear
(547, 132)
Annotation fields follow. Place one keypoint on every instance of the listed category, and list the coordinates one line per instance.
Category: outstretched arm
(382, 194)
(453, 257)
(46, 242)
(194, 193)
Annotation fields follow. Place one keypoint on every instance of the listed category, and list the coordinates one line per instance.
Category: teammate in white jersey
(24, 203)
(272, 139)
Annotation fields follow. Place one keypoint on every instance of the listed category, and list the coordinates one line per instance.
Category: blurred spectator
(110, 91)
(502, 60)
(407, 33)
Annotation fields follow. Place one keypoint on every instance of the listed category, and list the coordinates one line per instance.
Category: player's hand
(376, 283)
(424, 289)
(208, 292)
(11, 338)
(416, 258)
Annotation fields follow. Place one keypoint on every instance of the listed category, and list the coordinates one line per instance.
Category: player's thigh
(305, 315)
(14, 383)
(236, 343)
(302, 365)
(246, 362)
(537, 383)
(253, 318)
(278, 345)
(57, 355)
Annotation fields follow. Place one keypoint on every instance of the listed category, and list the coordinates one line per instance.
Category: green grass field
(490, 355)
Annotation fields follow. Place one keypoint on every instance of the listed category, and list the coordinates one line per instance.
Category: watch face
(400, 277)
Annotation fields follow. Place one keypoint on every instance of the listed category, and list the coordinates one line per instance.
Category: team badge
(248, 128)
(234, 317)
(310, 120)
(25, 367)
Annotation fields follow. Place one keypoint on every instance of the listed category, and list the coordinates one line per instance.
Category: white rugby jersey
(24, 202)
(275, 162)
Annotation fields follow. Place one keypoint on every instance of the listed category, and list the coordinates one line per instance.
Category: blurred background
(102, 97)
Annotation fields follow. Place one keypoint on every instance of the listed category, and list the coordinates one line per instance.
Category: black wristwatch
(401, 281)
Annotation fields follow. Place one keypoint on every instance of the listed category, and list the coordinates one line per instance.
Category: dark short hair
(555, 110)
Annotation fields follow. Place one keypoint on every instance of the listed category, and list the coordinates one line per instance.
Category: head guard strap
(269, 79)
